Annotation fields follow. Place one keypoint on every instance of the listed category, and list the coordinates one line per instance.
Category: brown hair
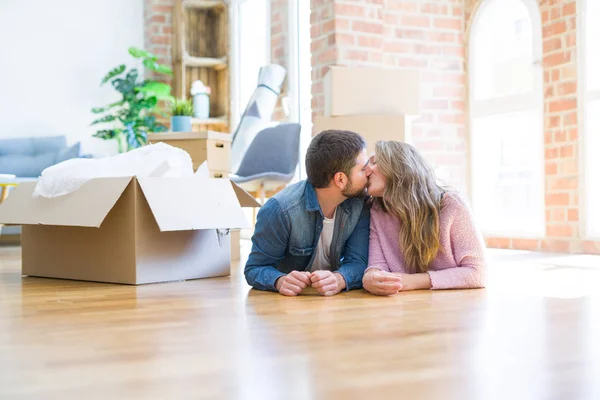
(330, 152)
(412, 195)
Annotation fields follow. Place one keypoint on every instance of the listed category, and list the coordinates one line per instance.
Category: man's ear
(340, 180)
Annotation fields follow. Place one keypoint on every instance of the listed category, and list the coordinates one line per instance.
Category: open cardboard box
(129, 230)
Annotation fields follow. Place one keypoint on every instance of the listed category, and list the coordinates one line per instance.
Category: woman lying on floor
(422, 236)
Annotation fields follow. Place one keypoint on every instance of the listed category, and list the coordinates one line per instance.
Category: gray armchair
(270, 162)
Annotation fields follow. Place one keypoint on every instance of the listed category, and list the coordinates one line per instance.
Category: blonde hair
(412, 195)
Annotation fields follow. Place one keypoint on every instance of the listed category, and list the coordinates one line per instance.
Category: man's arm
(356, 253)
(269, 243)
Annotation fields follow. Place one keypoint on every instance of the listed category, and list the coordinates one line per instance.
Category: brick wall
(158, 31)
(431, 36)
(562, 156)
(410, 34)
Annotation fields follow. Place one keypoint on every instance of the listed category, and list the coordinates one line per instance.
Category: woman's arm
(468, 249)
(376, 258)
(377, 278)
(415, 281)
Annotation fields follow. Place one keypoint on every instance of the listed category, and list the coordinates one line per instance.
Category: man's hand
(327, 283)
(293, 283)
(382, 283)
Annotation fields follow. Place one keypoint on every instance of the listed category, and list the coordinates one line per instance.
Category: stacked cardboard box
(377, 103)
(214, 148)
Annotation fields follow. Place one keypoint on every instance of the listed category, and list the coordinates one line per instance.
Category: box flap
(87, 206)
(180, 204)
(245, 199)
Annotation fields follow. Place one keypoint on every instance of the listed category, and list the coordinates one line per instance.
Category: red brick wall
(158, 31)
(410, 34)
(562, 156)
(431, 36)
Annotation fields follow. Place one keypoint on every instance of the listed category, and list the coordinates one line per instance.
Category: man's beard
(351, 192)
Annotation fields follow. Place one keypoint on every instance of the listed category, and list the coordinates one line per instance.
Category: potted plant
(181, 118)
(130, 119)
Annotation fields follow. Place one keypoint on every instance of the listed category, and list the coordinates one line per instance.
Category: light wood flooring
(534, 333)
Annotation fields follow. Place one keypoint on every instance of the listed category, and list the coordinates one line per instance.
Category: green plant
(182, 107)
(134, 116)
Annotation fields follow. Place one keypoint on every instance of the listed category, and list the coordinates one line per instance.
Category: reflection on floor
(534, 333)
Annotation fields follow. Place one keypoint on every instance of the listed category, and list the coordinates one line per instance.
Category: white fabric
(321, 260)
(272, 76)
(160, 160)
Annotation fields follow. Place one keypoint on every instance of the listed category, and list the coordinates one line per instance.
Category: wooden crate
(201, 52)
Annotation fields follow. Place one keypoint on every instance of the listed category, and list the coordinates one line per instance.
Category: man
(316, 232)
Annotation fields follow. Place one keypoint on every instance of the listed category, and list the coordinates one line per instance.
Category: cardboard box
(371, 127)
(209, 146)
(353, 90)
(130, 230)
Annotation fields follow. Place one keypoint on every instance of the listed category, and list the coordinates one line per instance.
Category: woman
(422, 237)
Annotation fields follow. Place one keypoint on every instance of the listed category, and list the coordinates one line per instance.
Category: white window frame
(585, 96)
(297, 113)
(509, 104)
(235, 101)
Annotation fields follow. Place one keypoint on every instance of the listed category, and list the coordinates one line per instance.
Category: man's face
(359, 177)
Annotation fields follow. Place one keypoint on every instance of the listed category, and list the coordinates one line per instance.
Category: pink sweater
(460, 262)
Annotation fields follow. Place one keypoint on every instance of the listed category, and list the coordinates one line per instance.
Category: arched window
(506, 118)
(590, 85)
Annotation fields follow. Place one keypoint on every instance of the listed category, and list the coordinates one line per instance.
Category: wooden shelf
(201, 52)
(211, 121)
(203, 3)
(208, 62)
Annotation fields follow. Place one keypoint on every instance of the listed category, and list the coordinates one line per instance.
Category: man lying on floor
(315, 233)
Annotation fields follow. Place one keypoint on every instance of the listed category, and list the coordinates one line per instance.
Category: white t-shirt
(321, 260)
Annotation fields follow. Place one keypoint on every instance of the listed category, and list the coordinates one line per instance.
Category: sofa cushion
(68, 153)
(49, 144)
(26, 166)
(32, 145)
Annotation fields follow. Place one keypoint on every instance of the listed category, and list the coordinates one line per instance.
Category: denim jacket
(287, 231)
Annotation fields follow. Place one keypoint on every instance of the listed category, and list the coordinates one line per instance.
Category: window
(251, 45)
(299, 73)
(591, 113)
(506, 110)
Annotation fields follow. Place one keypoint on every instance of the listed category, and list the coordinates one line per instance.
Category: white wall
(53, 55)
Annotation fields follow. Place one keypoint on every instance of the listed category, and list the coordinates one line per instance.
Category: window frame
(533, 100)
(585, 97)
(235, 103)
(295, 92)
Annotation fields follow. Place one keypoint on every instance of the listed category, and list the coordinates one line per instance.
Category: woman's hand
(382, 283)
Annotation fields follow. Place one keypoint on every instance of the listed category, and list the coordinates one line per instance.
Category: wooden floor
(534, 333)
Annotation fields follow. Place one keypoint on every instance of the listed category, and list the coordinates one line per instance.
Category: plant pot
(181, 123)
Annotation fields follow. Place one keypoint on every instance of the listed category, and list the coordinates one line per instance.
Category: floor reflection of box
(235, 244)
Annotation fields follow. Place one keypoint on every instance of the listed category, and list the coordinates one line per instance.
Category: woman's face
(376, 183)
